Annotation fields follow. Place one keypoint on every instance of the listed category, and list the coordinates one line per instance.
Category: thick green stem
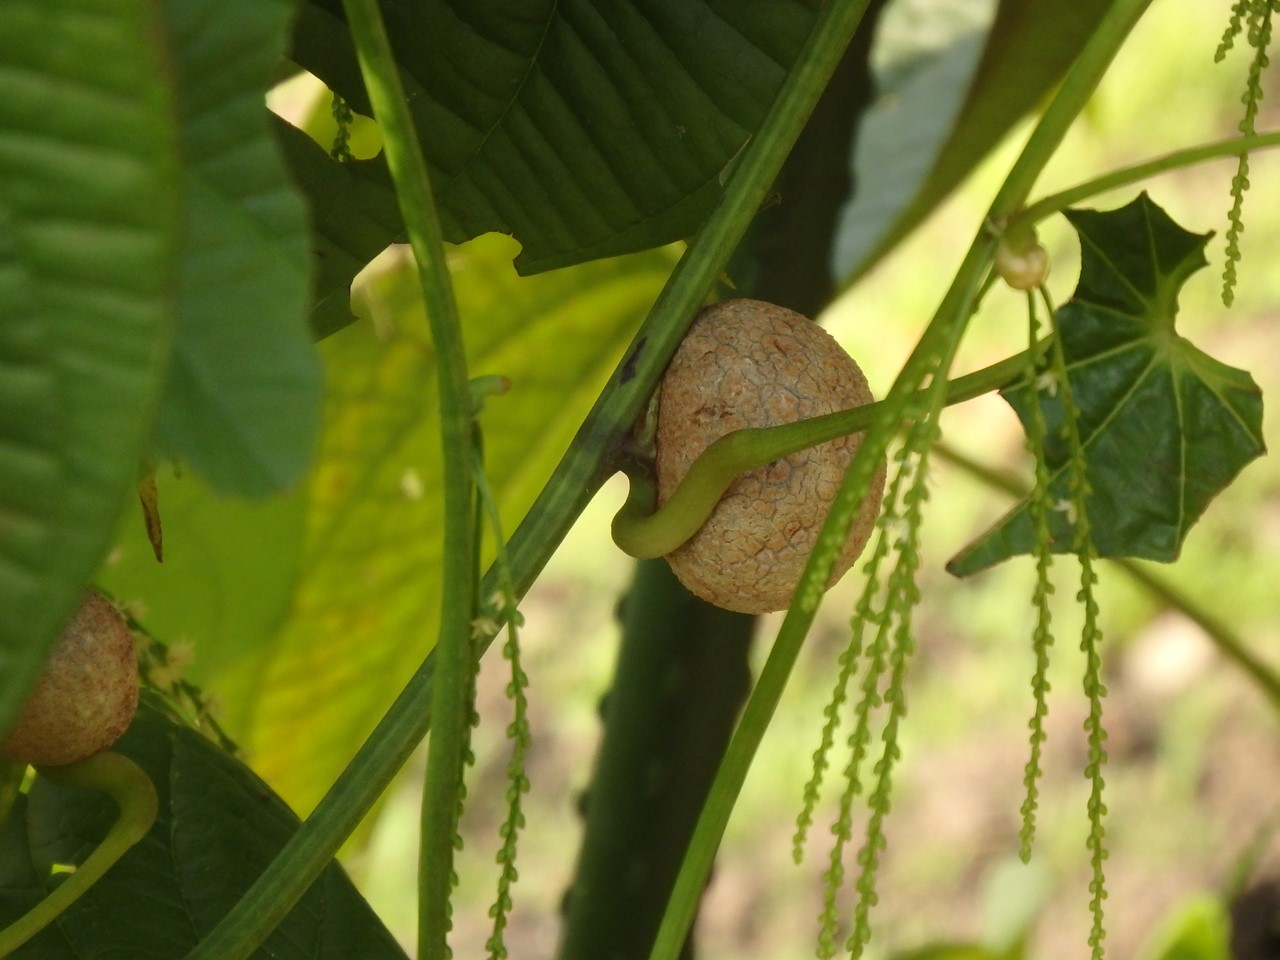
(951, 316)
(642, 532)
(451, 710)
(129, 786)
(1218, 150)
(300, 863)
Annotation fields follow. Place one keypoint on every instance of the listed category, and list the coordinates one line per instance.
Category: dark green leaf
(354, 216)
(1165, 427)
(218, 827)
(243, 397)
(583, 129)
(88, 225)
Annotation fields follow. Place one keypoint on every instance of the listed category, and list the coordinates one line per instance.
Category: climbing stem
(448, 712)
(642, 531)
(451, 709)
(949, 320)
(129, 786)
(1230, 147)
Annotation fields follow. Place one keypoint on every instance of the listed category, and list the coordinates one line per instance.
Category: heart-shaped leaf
(218, 828)
(1165, 427)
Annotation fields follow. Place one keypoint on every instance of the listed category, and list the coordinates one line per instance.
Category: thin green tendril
(134, 793)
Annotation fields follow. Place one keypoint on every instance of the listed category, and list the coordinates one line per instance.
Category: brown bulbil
(745, 363)
(87, 695)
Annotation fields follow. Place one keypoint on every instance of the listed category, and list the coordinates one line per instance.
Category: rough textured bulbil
(87, 695)
(745, 363)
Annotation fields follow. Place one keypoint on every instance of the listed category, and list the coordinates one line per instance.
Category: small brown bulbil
(745, 363)
(87, 695)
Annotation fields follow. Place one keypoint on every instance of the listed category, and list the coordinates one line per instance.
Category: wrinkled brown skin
(87, 695)
(745, 363)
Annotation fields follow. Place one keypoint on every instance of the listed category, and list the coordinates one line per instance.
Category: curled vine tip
(129, 786)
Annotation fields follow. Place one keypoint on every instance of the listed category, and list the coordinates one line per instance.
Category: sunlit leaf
(311, 611)
(88, 223)
(1165, 427)
(242, 399)
(218, 828)
(585, 130)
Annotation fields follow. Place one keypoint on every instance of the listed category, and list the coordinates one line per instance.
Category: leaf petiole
(1217, 150)
(129, 786)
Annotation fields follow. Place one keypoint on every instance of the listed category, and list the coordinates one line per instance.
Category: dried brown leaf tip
(745, 363)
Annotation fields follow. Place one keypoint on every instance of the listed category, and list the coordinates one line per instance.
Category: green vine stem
(452, 710)
(1177, 159)
(449, 711)
(592, 457)
(129, 786)
(952, 313)
(1229, 643)
(643, 532)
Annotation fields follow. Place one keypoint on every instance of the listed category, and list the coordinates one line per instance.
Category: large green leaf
(312, 612)
(88, 223)
(585, 129)
(940, 118)
(1165, 427)
(366, 606)
(243, 397)
(218, 828)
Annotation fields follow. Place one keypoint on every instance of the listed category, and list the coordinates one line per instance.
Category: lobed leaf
(1165, 427)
